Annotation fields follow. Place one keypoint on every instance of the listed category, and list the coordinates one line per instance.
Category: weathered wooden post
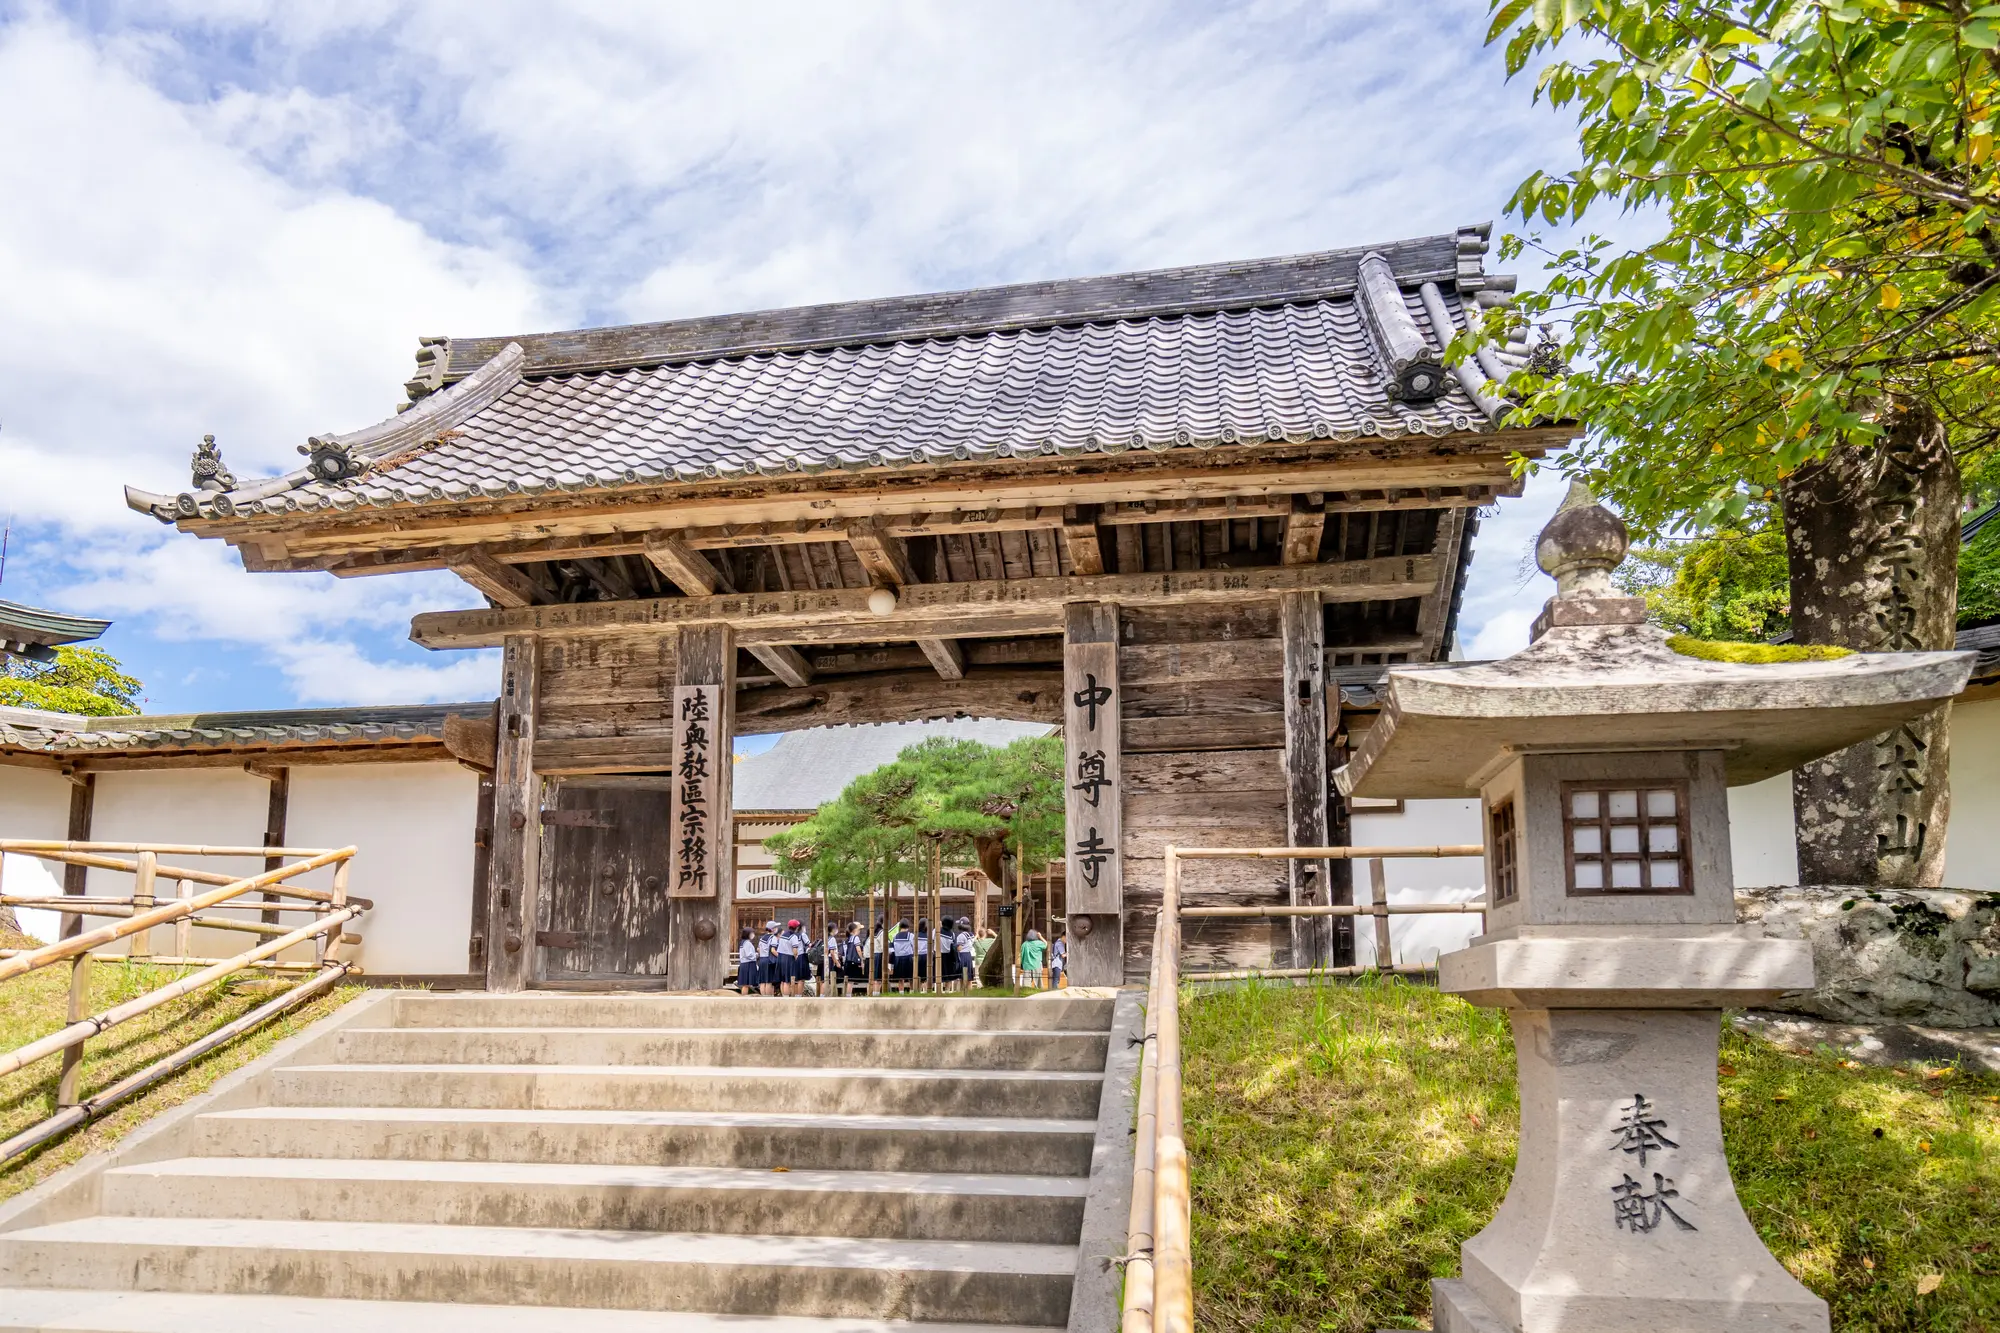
(513, 906)
(1302, 627)
(1093, 805)
(1602, 758)
(702, 882)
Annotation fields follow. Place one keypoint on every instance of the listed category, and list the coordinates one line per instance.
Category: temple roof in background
(806, 769)
(25, 629)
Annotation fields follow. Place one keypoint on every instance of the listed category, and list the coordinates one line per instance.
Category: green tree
(1816, 329)
(958, 795)
(1731, 584)
(89, 681)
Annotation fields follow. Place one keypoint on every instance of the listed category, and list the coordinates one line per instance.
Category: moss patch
(1345, 1139)
(1754, 654)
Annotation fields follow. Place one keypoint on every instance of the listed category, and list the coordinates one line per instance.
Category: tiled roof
(25, 628)
(67, 734)
(1332, 346)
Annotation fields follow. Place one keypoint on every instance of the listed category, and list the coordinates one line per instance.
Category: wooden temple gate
(1164, 510)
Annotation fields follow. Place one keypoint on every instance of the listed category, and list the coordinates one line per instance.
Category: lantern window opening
(1506, 865)
(1625, 838)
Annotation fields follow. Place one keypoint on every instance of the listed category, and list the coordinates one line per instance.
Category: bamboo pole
(84, 943)
(1281, 973)
(146, 873)
(179, 872)
(1173, 1260)
(72, 1053)
(171, 960)
(145, 1078)
(1331, 853)
(183, 932)
(1357, 909)
(1378, 889)
(1138, 1309)
(81, 1028)
(37, 847)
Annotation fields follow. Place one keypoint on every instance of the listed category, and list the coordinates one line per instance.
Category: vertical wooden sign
(1094, 804)
(698, 824)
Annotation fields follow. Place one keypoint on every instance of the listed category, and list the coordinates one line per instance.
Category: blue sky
(237, 218)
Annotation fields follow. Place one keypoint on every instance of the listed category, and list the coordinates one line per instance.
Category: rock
(1929, 957)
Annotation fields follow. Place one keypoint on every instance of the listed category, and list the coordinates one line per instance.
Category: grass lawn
(1346, 1138)
(32, 1006)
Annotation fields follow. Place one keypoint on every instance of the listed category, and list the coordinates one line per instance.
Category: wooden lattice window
(1506, 859)
(1626, 837)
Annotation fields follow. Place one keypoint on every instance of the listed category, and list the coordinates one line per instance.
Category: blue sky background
(237, 218)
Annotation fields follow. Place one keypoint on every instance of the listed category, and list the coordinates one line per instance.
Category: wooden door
(605, 862)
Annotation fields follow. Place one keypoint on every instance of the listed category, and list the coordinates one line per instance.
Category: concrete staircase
(556, 1162)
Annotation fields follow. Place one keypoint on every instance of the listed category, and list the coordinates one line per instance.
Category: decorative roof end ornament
(1413, 368)
(1579, 548)
(331, 460)
(209, 472)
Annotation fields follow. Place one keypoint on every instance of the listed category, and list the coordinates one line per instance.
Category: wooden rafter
(691, 571)
(927, 610)
(504, 584)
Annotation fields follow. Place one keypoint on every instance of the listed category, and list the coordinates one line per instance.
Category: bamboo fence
(1159, 1252)
(134, 917)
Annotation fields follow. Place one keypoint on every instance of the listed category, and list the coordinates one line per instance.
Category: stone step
(726, 1047)
(547, 1009)
(860, 1091)
(1044, 1210)
(24, 1308)
(1034, 1146)
(839, 1277)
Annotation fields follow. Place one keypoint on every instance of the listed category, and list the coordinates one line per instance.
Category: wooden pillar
(701, 883)
(513, 907)
(1094, 800)
(275, 814)
(1303, 629)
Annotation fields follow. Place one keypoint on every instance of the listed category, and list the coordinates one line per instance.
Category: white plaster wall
(1420, 939)
(1763, 841)
(33, 804)
(414, 825)
(213, 807)
(1972, 841)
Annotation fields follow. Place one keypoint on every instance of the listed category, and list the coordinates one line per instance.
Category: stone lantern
(1602, 758)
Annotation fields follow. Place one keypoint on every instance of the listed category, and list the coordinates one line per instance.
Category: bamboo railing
(1159, 1251)
(134, 916)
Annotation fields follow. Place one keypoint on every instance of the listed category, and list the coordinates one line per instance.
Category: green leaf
(1505, 16)
(1983, 34)
(1625, 95)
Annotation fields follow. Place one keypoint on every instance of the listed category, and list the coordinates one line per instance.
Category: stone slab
(1645, 972)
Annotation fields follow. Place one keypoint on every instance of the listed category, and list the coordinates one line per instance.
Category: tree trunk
(1872, 536)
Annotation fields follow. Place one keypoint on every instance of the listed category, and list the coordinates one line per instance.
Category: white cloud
(243, 214)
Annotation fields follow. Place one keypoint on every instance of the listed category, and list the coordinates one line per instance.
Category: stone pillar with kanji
(1602, 758)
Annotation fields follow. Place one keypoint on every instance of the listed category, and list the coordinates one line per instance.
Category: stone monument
(1602, 758)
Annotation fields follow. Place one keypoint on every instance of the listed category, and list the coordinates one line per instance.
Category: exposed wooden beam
(1436, 608)
(506, 585)
(926, 610)
(690, 570)
(405, 752)
(1303, 528)
(788, 664)
(1080, 544)
(1474, 461)
(1120, 518)
(884, 558)
(903, 696)
(946, 656)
